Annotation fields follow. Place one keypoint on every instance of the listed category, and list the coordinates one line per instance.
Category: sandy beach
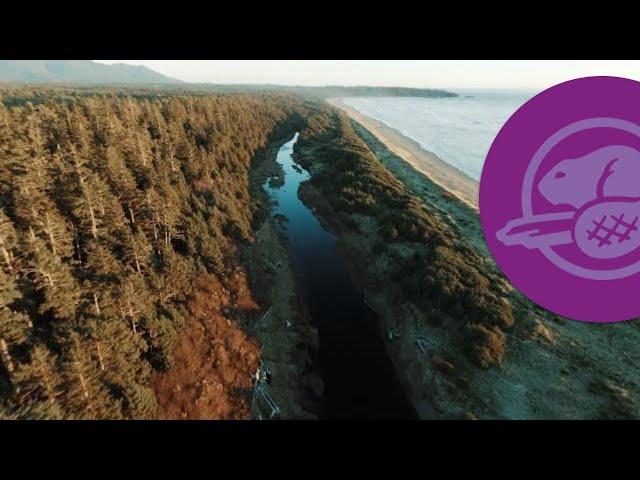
(438, 171)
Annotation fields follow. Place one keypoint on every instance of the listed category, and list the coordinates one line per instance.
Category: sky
(530, 74)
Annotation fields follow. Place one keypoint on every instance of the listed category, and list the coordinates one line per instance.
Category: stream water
(359, 377)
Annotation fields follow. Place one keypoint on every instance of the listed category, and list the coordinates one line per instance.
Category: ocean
(458, 130)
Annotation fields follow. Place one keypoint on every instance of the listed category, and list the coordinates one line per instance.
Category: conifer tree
(39, 381)
(15, 327)
(84, 393)
(138, 251)
(53, 277)
(8, 243)
(122, 183)
(110, 209)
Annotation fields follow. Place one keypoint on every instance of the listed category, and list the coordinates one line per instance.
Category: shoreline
(438, 171)
(283, 329)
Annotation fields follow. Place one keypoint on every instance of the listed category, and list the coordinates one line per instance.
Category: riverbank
(395, 324)
(288, 342)
(359, 379)
(427, 163)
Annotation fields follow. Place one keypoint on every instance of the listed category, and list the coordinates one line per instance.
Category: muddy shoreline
(289, 342)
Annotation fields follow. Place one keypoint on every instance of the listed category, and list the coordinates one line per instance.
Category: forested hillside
(112, 207)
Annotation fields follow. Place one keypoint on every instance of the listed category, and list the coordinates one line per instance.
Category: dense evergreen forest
(17, 94)
(112, 207)
(116, 203)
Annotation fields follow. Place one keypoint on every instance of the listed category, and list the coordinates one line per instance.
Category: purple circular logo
(560, 199)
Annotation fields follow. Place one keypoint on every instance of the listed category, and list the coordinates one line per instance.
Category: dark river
(359, 379)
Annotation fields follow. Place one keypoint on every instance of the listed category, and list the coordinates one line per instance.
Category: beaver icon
(612, 171)
(603, 190)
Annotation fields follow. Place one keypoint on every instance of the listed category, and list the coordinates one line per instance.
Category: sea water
(459, 130)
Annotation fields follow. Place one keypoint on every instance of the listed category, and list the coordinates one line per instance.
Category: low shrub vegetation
(443, 274)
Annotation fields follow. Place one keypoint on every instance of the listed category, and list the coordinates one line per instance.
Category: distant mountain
(79, 72)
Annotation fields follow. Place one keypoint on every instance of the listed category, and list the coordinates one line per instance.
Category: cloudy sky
(410, 73)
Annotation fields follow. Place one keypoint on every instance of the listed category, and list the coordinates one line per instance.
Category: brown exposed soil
(227, 334)
(214, 359)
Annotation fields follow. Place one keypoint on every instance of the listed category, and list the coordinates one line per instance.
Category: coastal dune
(427, 163)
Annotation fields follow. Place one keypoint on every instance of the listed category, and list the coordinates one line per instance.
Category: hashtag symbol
(620, 229)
